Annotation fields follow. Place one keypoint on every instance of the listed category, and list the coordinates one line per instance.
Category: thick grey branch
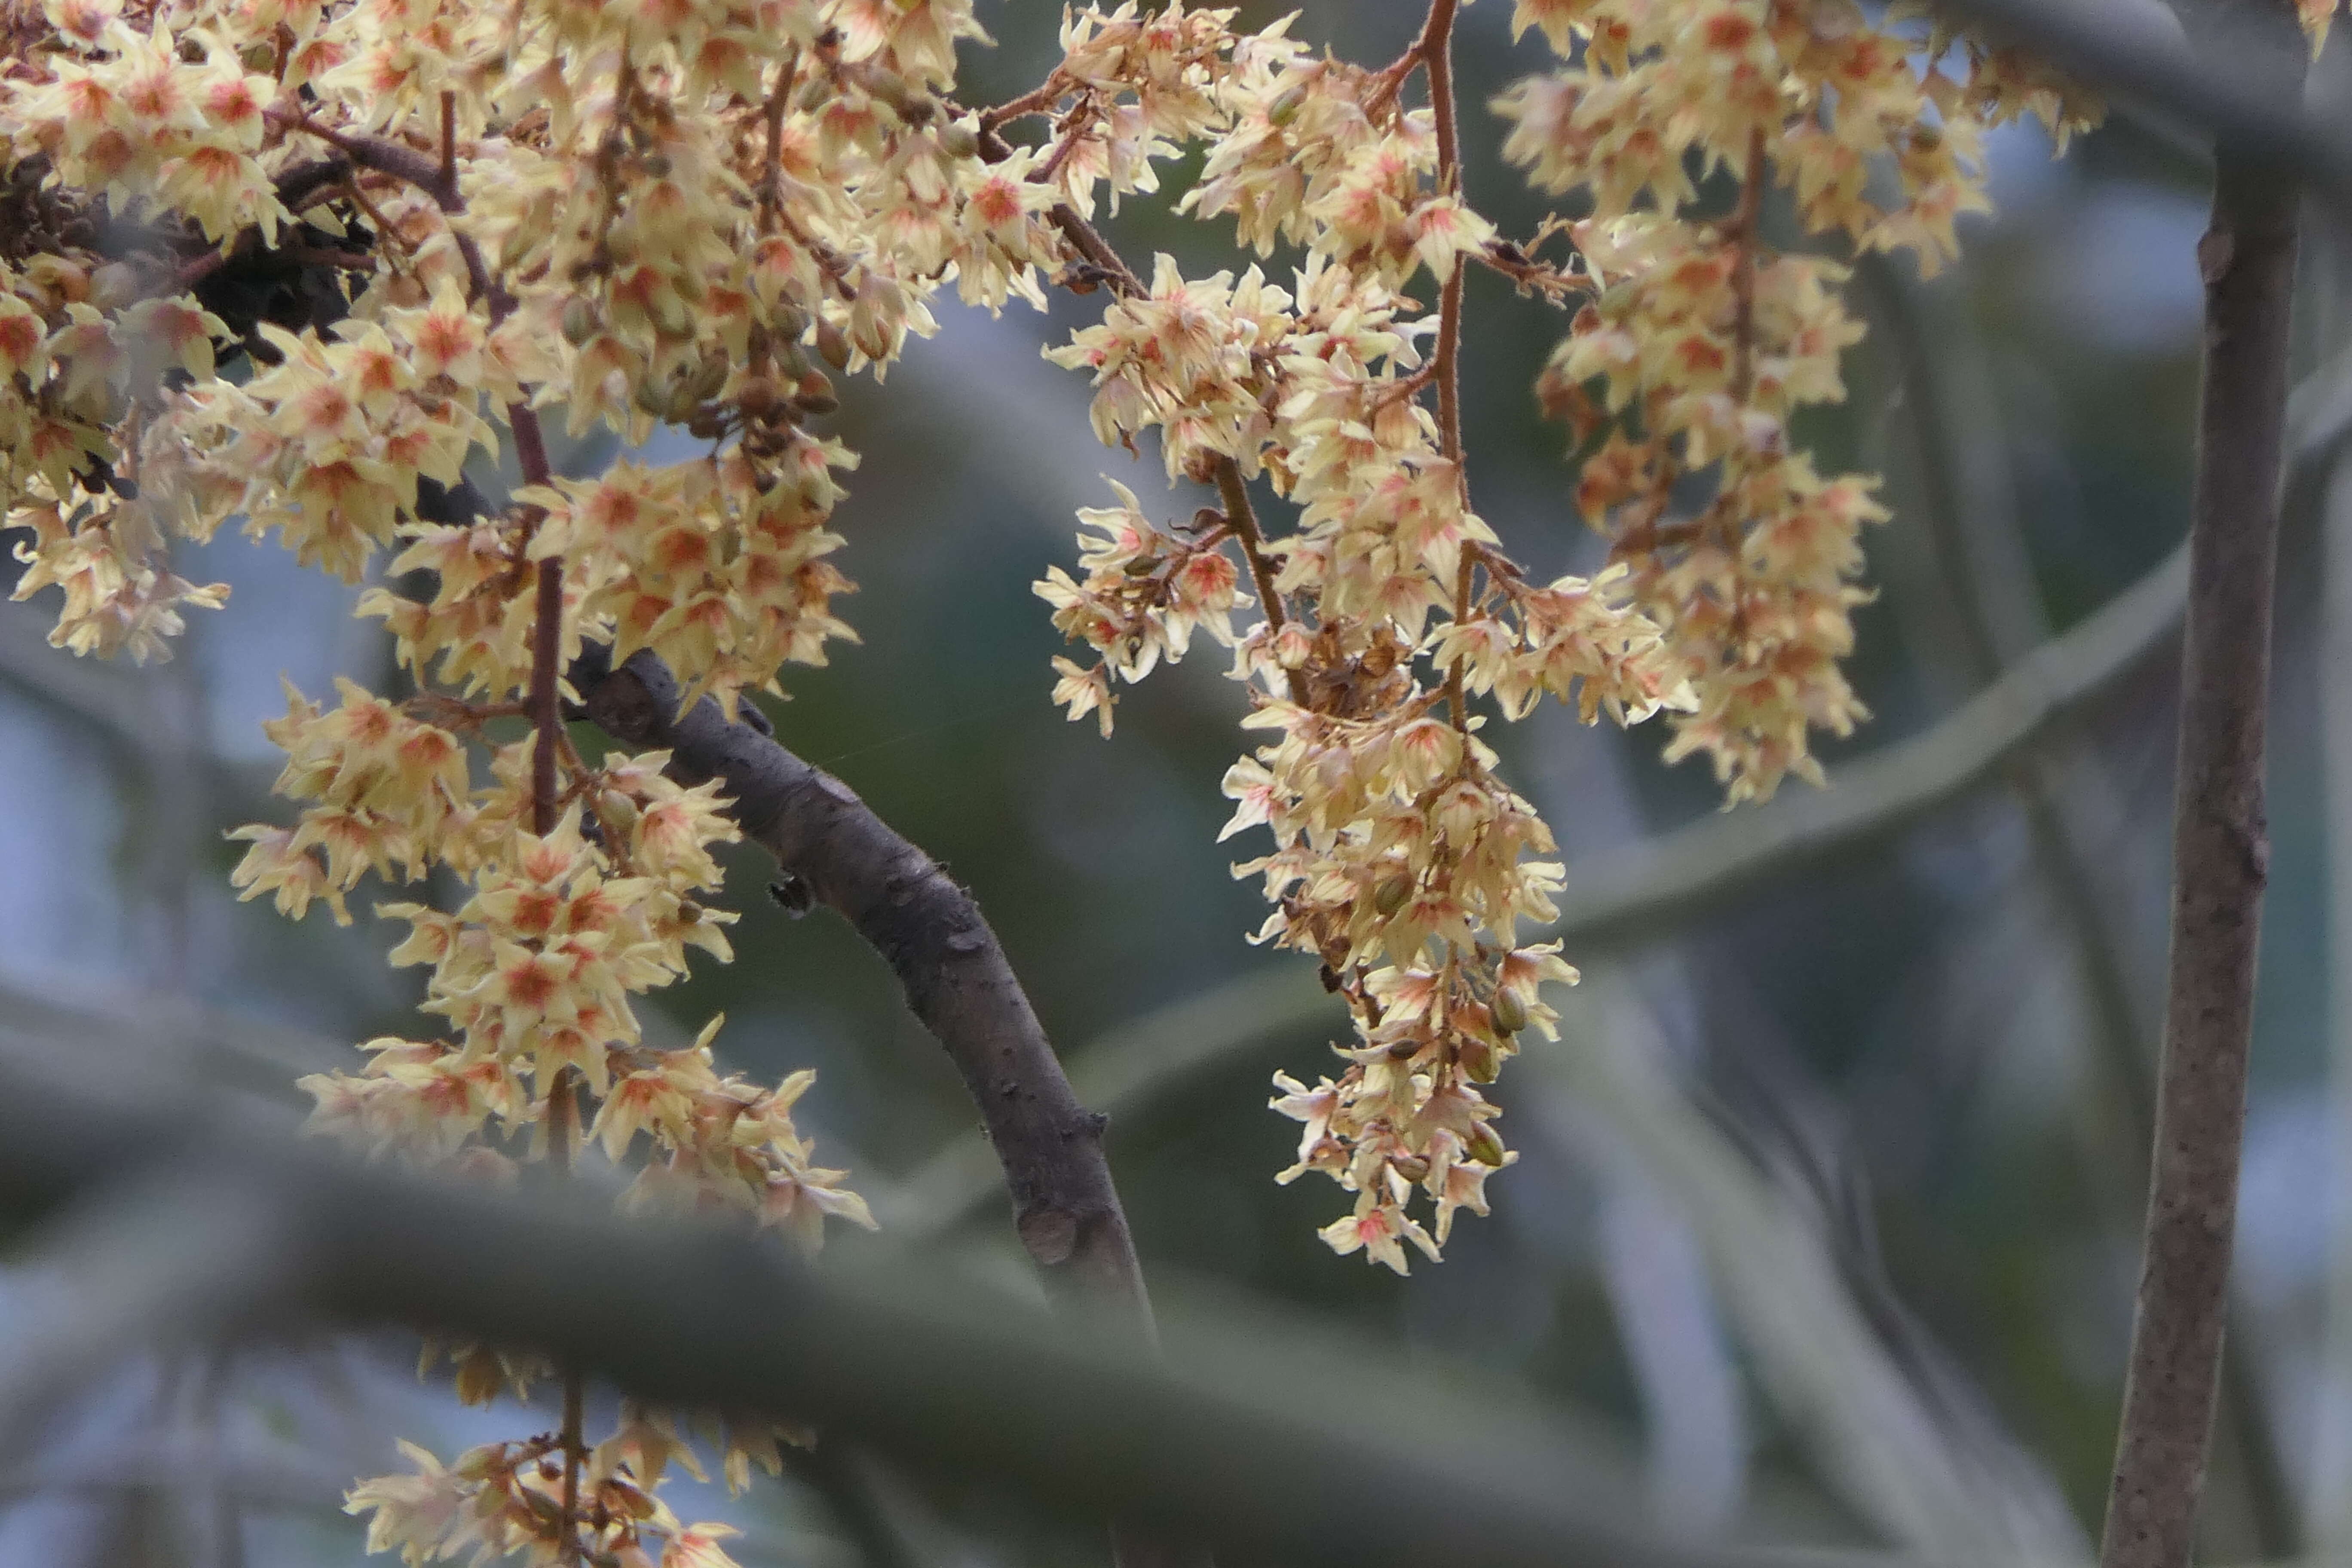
(934, 937)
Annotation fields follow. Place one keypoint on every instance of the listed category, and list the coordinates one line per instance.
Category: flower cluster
(506, 1499)
(1683, 132)
(1701, 342)
(1402, 860)
(300, 264)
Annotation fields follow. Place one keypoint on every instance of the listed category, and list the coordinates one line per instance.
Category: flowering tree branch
(2221, 844)
(933, 936)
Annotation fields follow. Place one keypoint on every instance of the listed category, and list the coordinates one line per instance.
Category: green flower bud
(1480, 1061)
(709, 376)
(580, 323)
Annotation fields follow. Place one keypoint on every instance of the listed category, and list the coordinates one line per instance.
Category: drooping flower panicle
(1401, 860)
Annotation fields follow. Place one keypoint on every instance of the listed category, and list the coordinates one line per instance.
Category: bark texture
(2221, 844)
(933, 936)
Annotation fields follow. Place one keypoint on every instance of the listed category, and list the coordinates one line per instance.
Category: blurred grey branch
(2138, 50)
(1969, 513)
(1287, 1446)
(1882, 1438)
(114, 701)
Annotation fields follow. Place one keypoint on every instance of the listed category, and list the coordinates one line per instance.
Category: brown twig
(1529, 276)
(544, 705)
(562, 1130)
(1243, 519)
(1970, 516)
(2221, 846)
(1038, 100)
(1741, 232)
(772, 123)
(1435, 52)
(1088, 242)
(1071, 134)
(381, 154)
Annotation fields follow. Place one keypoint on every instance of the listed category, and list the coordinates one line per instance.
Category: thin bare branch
(2221, 844)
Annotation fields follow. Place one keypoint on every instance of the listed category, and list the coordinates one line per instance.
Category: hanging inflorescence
(299, 265)
(1401, 860)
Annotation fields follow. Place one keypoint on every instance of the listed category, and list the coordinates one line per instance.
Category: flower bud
(580, 321)
(887, 85)
(756, 396)
(1480, 1062)
(709, 376)
(959, 142)
(1483, 1146)
(1390, 895)
(816, 394)
(1510, 1013)
(831, 346)
(1285, 109)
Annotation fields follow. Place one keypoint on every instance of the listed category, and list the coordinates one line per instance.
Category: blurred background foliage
(1828, 1202)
